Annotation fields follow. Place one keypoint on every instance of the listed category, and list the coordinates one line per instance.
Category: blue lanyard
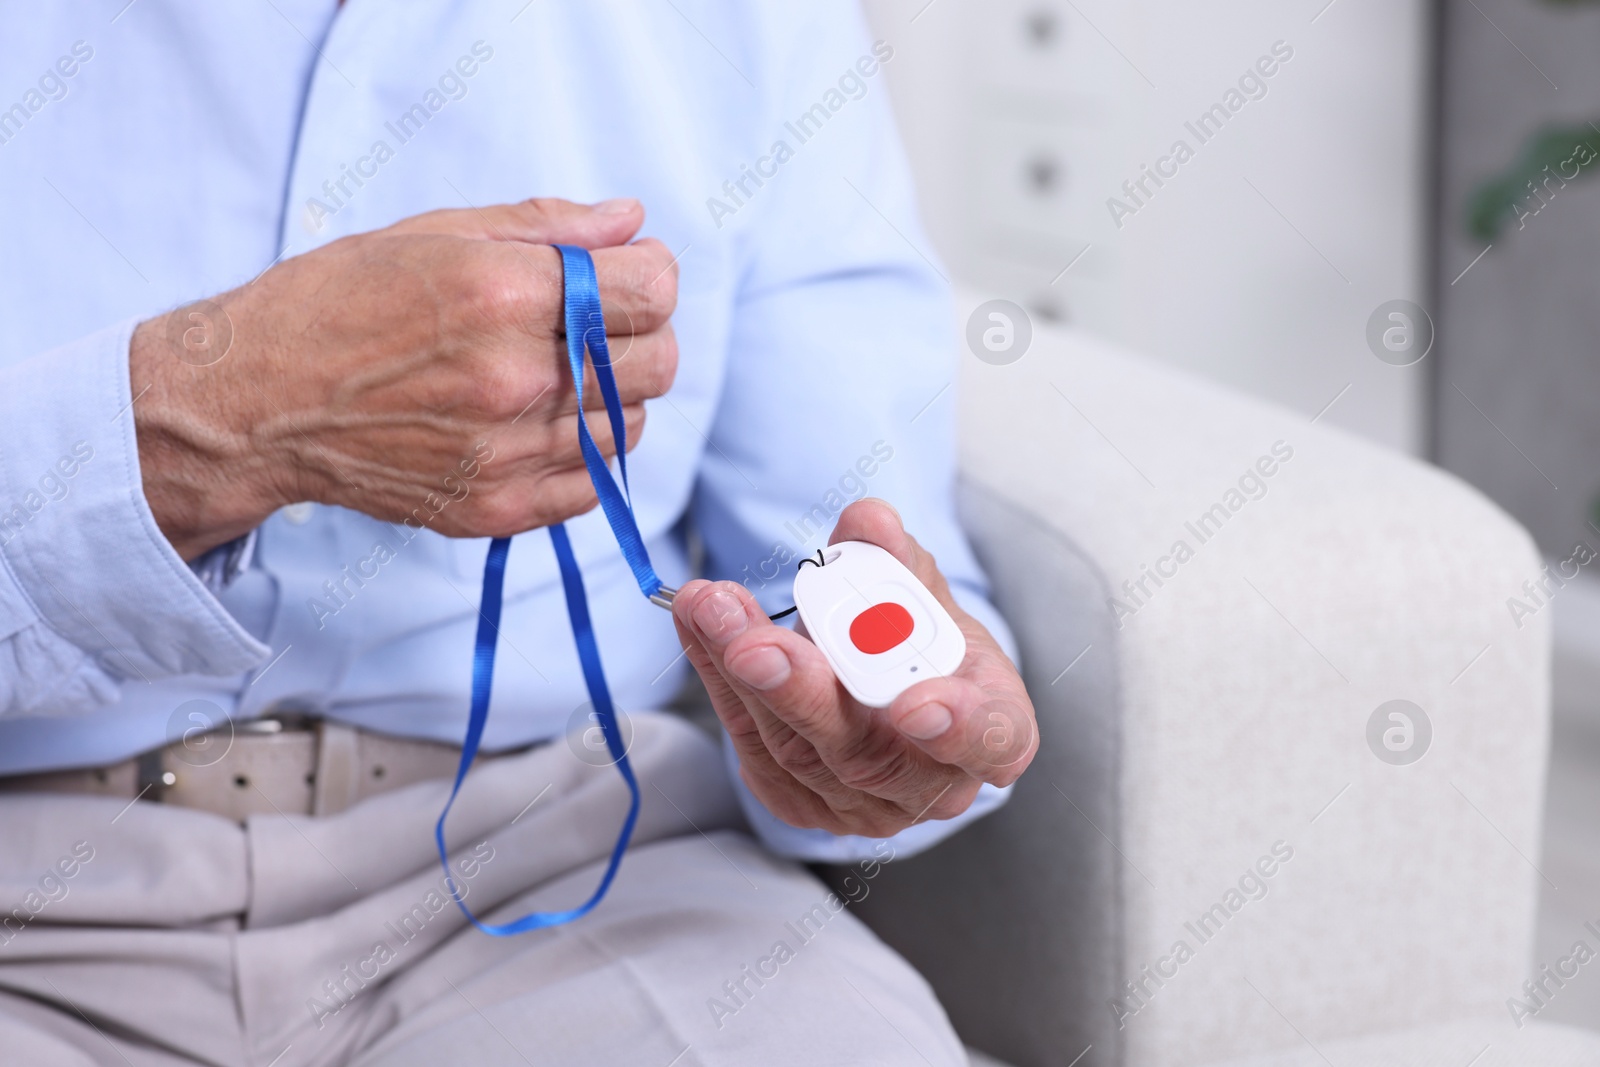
(585, 330)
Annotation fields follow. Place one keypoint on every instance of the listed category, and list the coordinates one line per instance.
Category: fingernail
(619, 206)
(894, 510)
(720, 616)
(927, 722)
(762, 668)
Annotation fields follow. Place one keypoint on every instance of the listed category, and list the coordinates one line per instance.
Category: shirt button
(299, 514)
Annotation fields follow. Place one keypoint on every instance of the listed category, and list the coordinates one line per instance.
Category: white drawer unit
(1025, 117)
(1045, 49)
(1085, 296)
(1034, 182)
(1045, 88)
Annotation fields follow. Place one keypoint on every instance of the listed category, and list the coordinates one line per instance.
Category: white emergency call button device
(880, 628)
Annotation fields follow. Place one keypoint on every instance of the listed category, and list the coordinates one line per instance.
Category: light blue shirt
(162, 152)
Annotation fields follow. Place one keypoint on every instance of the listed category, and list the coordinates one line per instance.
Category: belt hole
(241, 781)
(378, 771)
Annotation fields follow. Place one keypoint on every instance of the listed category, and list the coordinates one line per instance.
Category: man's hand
(394, 368)
(817, 758)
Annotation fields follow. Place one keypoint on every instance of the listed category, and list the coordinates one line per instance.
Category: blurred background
(1380, 213)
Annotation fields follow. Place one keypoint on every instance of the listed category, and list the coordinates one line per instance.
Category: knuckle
(496, 515)
(806, 718)
(552, 445)
(580, 499)
(505, 287)
(1007, 775)
(539, 208)
(796, 755)
(502, 387)
(887, 774)
(493, 297)
(702, 662)
(528, 382)
(952, 802)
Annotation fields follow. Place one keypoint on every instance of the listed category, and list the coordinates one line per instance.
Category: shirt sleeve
(91, 592)
(842, 363)
(820, 846)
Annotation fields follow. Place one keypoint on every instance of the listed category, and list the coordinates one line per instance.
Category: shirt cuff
(820, 846)
(80, 549)
(220, 567)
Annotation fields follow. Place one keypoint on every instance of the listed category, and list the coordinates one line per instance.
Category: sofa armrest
(1016, 919)
(1257, 586)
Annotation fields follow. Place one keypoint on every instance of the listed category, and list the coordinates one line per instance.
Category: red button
(881, 627)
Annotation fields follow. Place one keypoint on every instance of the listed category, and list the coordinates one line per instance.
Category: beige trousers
(152, 936)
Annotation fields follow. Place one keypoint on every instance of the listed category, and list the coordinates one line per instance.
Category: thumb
(541, 220)
(877, 522)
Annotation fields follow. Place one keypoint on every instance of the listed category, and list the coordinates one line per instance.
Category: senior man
(282, 345)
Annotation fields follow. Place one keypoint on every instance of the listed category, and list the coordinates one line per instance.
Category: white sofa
(1224, 713)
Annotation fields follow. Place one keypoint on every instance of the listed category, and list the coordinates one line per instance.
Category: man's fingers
(811, 726)
(514, 287)
(540, 221)
(986, 730)
(515, 507)
(713, 614)
(988, 733)
(792, 680)
(857, 769)
(645, 366)
(728, 705)
(537, 478)
(872, 779)
(551, 443)
(720, 615)
(563, 432)
(550, 221)
(876, 521)
(779, 790)
(783, 793)
(638, 285)
(789, 677)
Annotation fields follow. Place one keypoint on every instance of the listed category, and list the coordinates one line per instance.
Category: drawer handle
(1044, 175)
(1041, 26)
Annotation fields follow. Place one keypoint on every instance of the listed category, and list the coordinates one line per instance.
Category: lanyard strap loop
(585, 331)
(586, 328)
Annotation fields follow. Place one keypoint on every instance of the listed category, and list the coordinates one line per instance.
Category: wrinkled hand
(389, 371)
(814, 755)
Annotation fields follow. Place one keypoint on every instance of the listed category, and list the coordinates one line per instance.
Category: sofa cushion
(1478, 1043)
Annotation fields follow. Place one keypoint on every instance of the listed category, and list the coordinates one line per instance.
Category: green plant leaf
(1555, 153)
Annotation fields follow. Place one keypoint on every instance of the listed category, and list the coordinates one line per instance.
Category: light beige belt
(289, 765)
